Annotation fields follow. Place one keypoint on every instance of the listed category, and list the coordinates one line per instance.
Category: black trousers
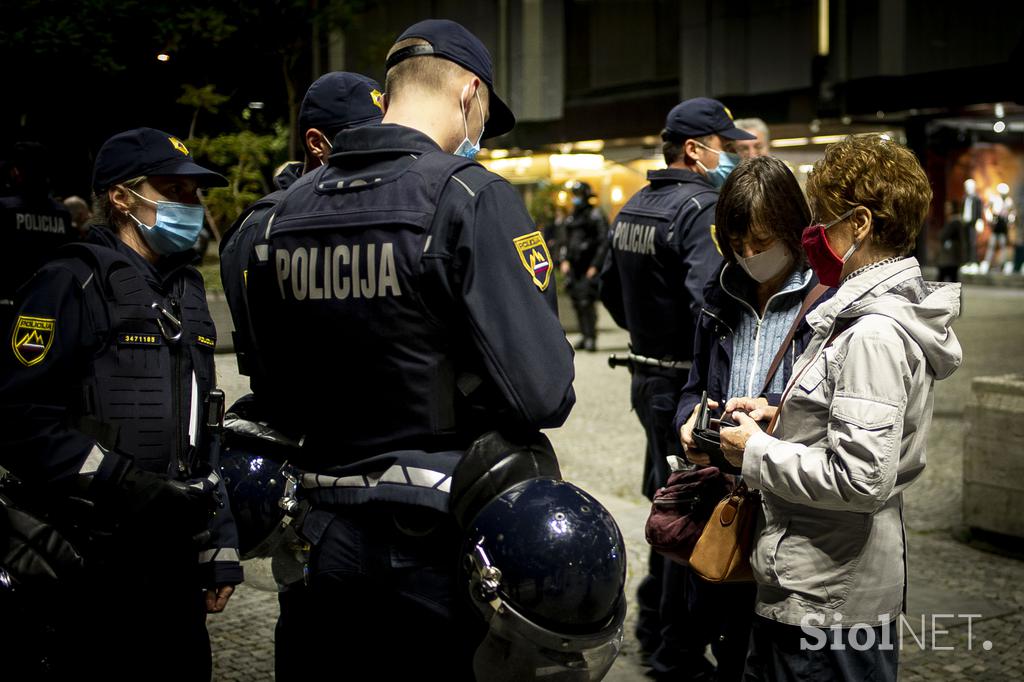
(583, 292)
(666, 629)
(776, 655)
(385, 600)
(290, 653)
(128, 616)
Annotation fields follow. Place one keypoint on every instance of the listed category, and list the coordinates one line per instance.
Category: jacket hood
(924, 310)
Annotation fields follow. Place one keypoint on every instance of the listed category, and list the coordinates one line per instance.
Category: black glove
(160, 506)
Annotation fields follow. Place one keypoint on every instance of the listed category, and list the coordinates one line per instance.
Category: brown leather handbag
(722, 553)
(682, 508)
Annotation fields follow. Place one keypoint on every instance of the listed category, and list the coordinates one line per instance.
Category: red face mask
(825, 262)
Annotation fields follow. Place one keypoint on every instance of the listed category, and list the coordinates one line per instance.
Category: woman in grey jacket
(850, 432)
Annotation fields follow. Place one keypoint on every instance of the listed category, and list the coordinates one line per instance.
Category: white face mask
(766, 265)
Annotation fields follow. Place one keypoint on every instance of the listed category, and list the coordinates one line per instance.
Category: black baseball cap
(339, 100)
(147, 151)
(703, 116)
(453, 42)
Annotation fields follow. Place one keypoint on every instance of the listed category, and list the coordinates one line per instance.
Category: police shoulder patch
(31, 338)
(714, 239)
(534, 254)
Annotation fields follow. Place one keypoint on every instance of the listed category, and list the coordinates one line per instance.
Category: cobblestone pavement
(601, 449)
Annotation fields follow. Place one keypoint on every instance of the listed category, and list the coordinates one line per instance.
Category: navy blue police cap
(702, 116)
(147, 151)
(339, 100)
(453, 42)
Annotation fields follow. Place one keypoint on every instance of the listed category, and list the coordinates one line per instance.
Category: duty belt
(630, 359)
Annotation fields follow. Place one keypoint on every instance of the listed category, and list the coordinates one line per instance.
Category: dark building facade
(939, 74)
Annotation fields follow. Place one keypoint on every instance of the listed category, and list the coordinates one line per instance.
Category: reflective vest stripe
(393, 475)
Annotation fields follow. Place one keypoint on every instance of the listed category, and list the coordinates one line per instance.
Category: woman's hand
(734, 440)
(693, 455)
(757, 409)
(217, 599)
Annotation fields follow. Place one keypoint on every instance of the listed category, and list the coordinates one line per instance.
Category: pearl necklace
(870, 266)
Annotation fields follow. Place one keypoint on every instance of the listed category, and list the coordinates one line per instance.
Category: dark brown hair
(672, 147)
(761, 192)
(881, 175)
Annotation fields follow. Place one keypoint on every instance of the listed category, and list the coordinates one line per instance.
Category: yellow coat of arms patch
(31, 338)
(533, 252)
(377, 98)
(179, 145)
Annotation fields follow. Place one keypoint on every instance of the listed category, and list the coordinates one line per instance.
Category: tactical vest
(234, 262)
(355, 358)
(144, 391)
(583, 235)
(652, 276)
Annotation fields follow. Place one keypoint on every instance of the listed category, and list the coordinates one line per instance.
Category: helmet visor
(516, 649)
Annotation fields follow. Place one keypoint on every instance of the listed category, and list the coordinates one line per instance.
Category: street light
(163, 57)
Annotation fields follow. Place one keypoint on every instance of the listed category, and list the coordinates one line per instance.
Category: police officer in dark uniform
(662, 253)
(32, 223)
(108, 414)
(404, 304)
(334, 102)
(581, 256)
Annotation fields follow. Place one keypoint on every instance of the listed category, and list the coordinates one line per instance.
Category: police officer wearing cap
(662, 253)
(404, 304)
(32, 223)
(108, 414)
(334, 102)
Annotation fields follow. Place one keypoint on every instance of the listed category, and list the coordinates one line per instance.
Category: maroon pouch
(682, 508)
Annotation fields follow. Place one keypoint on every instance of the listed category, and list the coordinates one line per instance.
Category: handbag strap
(839, 329)
(810, 299)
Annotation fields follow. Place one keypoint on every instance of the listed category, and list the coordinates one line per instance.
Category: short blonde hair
(879, 174)
(425, 71)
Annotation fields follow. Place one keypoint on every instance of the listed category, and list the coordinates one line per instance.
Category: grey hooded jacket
(849, 439)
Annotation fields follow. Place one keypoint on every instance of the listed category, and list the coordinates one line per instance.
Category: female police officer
(104, 396)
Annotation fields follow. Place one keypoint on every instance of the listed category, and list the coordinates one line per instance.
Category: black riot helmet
(546, 566)
(261, 488)
(580, 190)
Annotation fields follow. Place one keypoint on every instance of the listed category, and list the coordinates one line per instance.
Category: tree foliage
(200, 99)
(247, 158)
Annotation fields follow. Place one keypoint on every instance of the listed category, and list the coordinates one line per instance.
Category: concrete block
(993, 478)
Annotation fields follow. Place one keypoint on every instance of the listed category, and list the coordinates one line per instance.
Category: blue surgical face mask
(177, 226)
(726, 163)
(467, 148)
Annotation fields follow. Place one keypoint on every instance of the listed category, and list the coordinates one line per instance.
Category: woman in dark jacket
(750, 304)
(749, 308)
(105, 393)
